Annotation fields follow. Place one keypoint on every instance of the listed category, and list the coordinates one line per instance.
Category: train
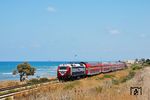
(74, 70)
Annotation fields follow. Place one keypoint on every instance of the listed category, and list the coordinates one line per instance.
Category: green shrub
(147, 61)
(98, 89)
(12, 91)
(146, 64)
(136, 67)
(7, 92)
(44, 80)
(130, 76)
(2, 93)
(8, 98)
(115, 81)
(108, 76)
(33, 81)
(105, 76)
(37, 81)
(124, 79)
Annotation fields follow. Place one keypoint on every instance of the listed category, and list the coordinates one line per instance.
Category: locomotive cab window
(63, 68)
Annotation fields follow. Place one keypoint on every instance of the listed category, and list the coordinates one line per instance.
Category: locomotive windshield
(63, 68)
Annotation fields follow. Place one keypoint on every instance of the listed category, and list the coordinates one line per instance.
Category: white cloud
(114, 31)
(51, 9)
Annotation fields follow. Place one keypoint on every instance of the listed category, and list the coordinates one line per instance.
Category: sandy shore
(9, 83)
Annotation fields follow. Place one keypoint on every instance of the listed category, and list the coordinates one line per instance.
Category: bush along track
(132, 71)
(31, 84)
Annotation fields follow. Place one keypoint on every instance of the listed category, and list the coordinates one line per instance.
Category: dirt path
(143, 79)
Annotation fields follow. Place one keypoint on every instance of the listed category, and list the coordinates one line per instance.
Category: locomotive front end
(63, 72)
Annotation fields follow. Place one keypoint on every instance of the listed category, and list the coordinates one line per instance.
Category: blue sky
(60, 29)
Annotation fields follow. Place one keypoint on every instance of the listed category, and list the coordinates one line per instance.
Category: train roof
(75, 64)
(71, 65)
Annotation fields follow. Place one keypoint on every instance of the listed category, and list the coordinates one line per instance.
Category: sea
(43, 69)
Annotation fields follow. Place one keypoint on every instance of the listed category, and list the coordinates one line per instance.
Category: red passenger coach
(81, 69)
(93, 68)
(106, 67)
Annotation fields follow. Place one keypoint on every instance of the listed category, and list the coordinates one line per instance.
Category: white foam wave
(40, 69)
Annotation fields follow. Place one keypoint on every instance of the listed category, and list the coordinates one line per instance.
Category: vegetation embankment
(131, 74)
(104, 86)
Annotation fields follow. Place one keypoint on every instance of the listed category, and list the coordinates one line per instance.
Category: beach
(43, 69)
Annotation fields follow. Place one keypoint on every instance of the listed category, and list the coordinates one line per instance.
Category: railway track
(12, 87)
(24, 88)
(6, 92)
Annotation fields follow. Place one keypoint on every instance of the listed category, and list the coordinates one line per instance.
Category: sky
(68, 30)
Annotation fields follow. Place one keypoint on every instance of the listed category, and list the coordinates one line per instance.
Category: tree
(142, 61)
(24, 70)
(136, 60)
(148, 61)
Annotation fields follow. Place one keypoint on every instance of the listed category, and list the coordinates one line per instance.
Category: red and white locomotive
(82, 69)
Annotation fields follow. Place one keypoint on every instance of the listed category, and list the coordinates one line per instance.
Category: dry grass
(4, 84)
(98, 87)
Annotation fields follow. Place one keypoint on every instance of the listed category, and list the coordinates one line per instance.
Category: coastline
(43, 69)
